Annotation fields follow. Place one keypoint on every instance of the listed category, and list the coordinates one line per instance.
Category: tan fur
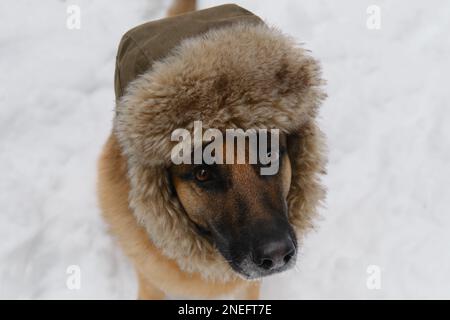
(181, 6)
(157, 274)
(246, 184)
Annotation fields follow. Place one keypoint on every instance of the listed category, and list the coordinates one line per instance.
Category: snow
(386, 121)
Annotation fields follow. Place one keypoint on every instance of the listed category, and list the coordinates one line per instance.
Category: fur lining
(241, 76)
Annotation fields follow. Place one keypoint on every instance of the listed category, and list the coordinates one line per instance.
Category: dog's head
(242, 212)
(242, 75)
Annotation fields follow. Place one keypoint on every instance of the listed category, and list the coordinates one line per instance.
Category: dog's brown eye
(202, 175)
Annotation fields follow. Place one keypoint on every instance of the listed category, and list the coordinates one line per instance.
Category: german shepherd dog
(243, 216)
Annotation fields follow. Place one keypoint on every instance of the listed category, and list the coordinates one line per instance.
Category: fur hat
(225, 67)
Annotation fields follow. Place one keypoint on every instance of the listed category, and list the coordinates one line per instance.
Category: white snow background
(387, 121)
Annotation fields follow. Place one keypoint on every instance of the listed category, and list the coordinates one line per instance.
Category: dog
(202, 230)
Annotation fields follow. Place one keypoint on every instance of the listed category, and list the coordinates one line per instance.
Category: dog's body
(210, 231)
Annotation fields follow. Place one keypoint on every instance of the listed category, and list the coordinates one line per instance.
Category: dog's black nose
(274, 254)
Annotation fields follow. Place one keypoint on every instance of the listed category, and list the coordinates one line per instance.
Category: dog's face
(242, 212)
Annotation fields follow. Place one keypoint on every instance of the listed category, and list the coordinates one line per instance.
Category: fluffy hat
(225, 67)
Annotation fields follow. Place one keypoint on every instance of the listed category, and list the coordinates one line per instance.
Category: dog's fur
(241, 76)
(157, 274)
(181, 6)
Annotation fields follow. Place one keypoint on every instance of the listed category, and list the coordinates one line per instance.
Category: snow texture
(386, 119)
